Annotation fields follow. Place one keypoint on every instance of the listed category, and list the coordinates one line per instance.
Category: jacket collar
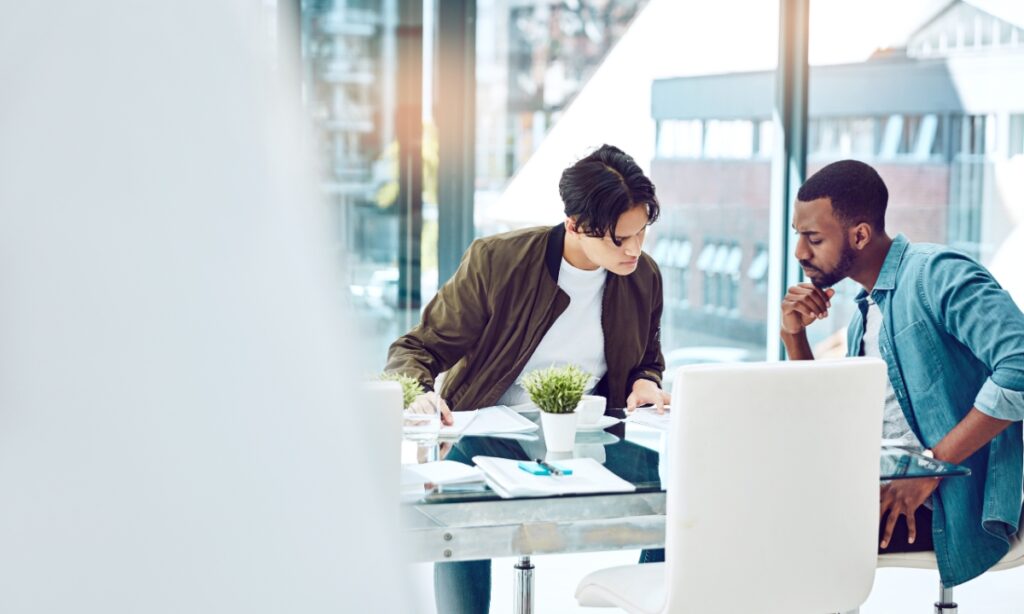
(553, 254)
(887, 275)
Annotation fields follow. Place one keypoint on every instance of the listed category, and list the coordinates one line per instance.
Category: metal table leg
(523, 591)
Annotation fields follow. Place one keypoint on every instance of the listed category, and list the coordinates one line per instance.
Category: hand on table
(645, 391)
(431, 402)
(902, 498)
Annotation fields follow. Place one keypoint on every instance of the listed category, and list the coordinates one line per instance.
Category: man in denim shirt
(953, 341)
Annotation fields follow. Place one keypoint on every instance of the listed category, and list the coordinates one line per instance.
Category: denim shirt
(953, 339)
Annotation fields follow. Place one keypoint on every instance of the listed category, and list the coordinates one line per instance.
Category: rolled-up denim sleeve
(965, 298)
(998, 402)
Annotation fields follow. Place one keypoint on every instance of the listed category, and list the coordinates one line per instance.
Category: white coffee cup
(591, 408)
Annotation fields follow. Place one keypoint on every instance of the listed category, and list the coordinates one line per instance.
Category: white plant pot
(559, 431)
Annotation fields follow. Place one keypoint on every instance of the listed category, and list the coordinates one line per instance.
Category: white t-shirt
(575, 337)
(895, 428)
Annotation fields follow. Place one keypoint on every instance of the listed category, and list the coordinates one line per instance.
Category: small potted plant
(422, 427)
(411, 387)
(557, 391)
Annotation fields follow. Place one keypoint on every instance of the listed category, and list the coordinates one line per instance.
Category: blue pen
(552, 469)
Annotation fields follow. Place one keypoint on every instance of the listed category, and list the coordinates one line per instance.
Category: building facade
(934, 117)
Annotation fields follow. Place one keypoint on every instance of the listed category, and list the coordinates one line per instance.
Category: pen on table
(551, 468)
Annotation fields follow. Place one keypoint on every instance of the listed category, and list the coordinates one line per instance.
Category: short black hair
(857, 193)
(601, 187)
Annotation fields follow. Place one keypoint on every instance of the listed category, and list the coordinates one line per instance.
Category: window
(843, 137)
(765, 139)
(1015, 147)
(729, 139)
(731, 273)
(892, 137)
(757, 272)
(712, 173)
(680, 138)
(707, 256)
(350, 67)
(673, 256)
(534, 60)
(941, 166)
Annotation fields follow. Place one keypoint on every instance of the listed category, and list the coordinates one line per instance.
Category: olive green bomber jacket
(486, 321)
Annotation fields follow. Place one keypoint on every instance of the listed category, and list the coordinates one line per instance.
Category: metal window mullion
(455, 111)
(409, 134)
(789, 164)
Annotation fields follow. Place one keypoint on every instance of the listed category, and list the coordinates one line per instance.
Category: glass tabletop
(630, 451)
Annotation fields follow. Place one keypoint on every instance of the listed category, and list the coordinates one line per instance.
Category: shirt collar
(553, 252)
(887, 275)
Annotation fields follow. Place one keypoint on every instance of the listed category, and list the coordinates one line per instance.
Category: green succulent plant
(411, 387)
(556, 390)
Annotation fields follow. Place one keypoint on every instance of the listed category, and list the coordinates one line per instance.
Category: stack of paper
(499, 419)
(462, 420)
(649, 416)
(441, 473)
(588, 476)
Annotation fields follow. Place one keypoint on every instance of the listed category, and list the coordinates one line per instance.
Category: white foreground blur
(178, 427)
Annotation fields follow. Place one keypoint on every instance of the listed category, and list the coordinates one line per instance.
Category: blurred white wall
(178, 428)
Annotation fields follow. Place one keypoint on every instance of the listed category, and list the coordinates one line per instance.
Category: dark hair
(601, 187)
(857, 193)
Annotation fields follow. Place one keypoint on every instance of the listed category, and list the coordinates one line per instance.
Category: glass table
(462, 524)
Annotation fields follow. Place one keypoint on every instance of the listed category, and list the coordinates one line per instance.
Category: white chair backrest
(383, 403)
(773, 499)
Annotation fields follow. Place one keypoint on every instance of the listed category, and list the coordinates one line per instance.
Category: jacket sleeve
(965, 298)
(451, 323)
(653, 363)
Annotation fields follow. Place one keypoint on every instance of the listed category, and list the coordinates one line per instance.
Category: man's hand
(902, 498)
(431, 402)
(802, 305)
(645, 391)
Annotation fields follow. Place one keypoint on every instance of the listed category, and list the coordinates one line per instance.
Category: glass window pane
(946, 149)
(694, 109)
(363, 87)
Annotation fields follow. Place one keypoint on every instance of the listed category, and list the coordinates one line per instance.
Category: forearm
(797, 346)
(409, 355)
(967, 437)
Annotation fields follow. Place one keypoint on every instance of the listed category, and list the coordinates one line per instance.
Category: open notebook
(505, 477)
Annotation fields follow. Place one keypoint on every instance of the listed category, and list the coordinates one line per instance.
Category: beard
(826, 279)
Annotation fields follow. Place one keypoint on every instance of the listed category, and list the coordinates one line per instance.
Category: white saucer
(602, 423)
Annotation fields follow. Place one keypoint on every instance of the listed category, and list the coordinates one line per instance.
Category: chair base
(638, 589)
(523, 599)
(945, 604)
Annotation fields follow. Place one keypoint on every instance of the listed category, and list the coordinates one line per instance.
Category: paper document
(462, 420)
(588, 476)
(648, 416)
(442, 473)
(499, 419)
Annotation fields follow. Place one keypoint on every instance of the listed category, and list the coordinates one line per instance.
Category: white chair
(926, 560)
(772, 495)
(383, 426)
